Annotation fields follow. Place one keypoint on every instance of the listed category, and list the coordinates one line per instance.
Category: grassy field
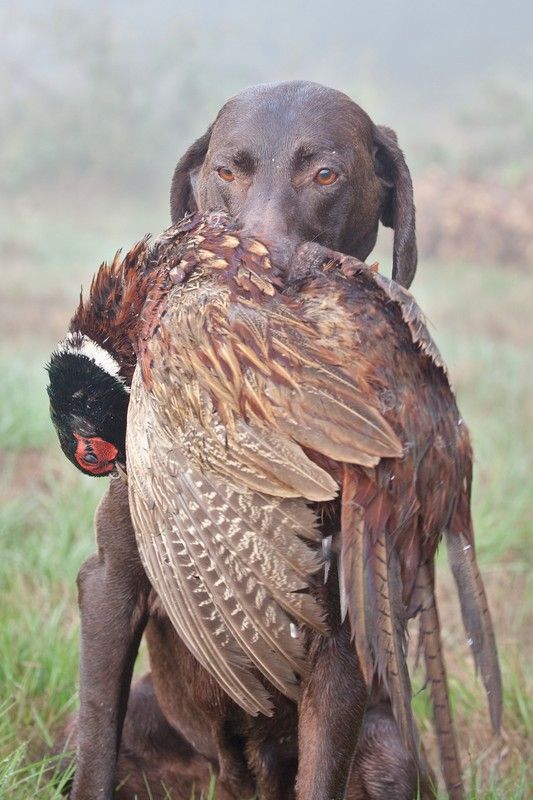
(482, 321)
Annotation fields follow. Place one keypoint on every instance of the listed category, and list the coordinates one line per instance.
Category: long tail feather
(430, 642)
(352, 574)
(372, 584)
(389, 637)
(477, 620)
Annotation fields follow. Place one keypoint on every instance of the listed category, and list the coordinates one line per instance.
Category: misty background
(98, 100)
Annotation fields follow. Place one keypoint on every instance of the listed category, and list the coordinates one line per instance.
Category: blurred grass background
(97, 104)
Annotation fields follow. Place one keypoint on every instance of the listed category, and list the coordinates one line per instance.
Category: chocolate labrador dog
(299, 163)
(304, 163)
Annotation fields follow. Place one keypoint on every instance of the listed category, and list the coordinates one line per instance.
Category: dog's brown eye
(226, 174)
(325, 177)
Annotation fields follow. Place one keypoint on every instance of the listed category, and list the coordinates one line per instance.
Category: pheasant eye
(226, 174)
(90, 458)
(326, 176)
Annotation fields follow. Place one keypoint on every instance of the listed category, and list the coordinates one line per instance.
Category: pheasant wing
(219, 480)
(230, 565)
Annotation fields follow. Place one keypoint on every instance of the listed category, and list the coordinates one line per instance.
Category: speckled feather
(431, 646)
(256, 395)
(111, 313)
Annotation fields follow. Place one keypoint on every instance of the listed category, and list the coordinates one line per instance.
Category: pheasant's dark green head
(88, 405)
(91, 370)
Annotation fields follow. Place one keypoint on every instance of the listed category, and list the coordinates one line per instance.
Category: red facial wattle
(95, 455)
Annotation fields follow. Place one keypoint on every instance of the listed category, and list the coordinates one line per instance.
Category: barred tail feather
(352, 578)
(430, 643)
(373, 592)
(389, 637)
(477, 620)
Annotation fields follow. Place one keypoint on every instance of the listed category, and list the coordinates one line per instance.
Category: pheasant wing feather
(174, 576)
(221, 560)
(225, 458)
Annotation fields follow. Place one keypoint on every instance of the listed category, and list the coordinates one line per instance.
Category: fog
(98, 100)
(111, 92)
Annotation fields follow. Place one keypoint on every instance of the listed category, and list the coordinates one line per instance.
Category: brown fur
(155, 762)
(114, 595)
(275, 138)
(179, 723)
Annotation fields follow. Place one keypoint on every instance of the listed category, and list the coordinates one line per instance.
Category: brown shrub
(473, 219)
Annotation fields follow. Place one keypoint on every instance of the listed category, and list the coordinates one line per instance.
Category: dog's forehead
(283, 117)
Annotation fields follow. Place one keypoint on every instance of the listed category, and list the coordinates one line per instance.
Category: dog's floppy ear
(398, 210)
(182, 199)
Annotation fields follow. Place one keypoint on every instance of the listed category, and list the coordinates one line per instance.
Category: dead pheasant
(261, 397)
(92, 368)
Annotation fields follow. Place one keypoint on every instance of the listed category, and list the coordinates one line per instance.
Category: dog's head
(300, 162)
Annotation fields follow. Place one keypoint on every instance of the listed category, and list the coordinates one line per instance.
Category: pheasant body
(263, 401)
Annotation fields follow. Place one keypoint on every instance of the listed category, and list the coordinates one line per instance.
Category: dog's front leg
(112, 590)
(330, 716)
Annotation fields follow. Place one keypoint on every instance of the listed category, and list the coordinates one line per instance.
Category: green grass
(58, 249)
(481, 322)
(24, 420)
